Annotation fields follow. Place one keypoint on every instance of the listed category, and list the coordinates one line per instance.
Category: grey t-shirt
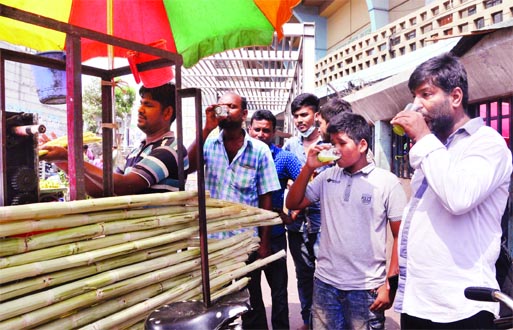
(354, 213)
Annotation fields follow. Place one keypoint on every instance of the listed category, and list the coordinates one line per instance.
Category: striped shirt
(156, 162)
(250, 174)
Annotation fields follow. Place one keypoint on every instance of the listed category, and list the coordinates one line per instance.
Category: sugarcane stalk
(95, 312)
(145, 307)
(82, 233)
(80, 247)
(38, 308)
(152, 303)
(10, 246)
(38, 268)
(149, 305)
(62, 141)
(18, 288)
(233, 226)
(69, 304)
(137, 326)
(29, 303)
(98, 311)
(194, 241)
(241, 248)
(43, 306)
(244, 222)
(247, 269)
(130, 324)
(210, 202)
(236, 286)
(45, 314)
(48, 210)
(75, 220)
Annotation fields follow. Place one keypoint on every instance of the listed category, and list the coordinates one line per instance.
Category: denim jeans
(302, 251)
(338, 309)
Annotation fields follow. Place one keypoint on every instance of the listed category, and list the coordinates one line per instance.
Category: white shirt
(453, 238)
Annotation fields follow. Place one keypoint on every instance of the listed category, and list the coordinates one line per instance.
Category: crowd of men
(336, 215)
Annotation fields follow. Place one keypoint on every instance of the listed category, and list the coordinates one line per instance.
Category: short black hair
(352, 124)
(264, 115)
(164, 94)
(305, 100)
(333, 107)
(444, 71)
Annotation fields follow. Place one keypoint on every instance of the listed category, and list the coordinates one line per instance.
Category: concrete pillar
(378, 13)
(383, 144)
(306, 14)
(308, 63)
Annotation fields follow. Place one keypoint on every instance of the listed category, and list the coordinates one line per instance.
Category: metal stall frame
(74, 70)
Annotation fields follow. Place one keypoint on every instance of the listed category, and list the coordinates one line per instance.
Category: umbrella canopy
(194, 29)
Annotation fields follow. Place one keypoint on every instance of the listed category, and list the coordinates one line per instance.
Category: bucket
(50, 83)
(150, 78)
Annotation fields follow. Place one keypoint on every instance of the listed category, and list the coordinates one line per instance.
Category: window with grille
(400, 161)
(445, 20)
(411, 35)
(480, 22)
(395, 41)
(497, 17)
(496, 114)
(491, 3)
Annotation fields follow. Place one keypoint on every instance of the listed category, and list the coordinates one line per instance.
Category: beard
(228, 124)
(441, 121)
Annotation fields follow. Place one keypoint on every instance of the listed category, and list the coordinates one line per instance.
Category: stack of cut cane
(107, 263)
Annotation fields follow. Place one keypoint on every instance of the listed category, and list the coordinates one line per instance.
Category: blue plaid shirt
(288, 167)
(250, 174)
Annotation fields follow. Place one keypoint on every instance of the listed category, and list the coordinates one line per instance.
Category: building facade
(366, 51)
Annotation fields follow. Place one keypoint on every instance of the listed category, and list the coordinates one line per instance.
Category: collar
(247, 138)
(469, 128)
(364, 170)
(274, 149)
(169, 134)
(319, 140)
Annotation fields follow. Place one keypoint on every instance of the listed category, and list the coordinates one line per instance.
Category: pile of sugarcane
(107, 263)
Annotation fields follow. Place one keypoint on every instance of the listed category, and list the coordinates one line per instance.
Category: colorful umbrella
(192, 28)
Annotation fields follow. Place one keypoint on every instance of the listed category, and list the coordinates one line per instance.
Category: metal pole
(74, 118)
(196, 93)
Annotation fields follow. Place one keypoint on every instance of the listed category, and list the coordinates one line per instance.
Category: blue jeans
(302, 252)
(337, 309)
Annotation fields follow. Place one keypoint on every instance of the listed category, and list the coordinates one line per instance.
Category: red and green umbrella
(192, 28)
